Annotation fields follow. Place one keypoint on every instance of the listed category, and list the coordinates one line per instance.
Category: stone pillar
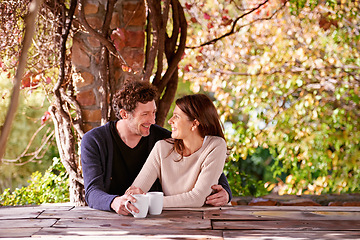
(127, 28)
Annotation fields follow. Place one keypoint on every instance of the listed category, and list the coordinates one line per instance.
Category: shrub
(52, 187)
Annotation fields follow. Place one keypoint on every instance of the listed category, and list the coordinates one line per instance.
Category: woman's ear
(196, 123)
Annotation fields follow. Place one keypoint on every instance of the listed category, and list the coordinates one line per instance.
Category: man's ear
(123, 114)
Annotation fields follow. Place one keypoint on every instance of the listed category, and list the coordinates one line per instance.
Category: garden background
(284, 76)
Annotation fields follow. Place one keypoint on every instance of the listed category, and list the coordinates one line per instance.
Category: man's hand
(219, 196)
(118, 204)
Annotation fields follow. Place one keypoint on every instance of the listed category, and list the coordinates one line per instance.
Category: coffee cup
(156, 202)
(142, 203)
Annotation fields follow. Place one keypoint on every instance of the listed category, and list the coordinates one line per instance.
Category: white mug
(142, 203)
(156, 202)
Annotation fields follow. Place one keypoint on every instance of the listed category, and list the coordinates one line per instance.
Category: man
(112, 155)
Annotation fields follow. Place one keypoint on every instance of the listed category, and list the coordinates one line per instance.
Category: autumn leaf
(188, 67)
(48, 80)
(199, 58)
(26, 80)
(126, 68)
(225, 21)
(118, 38)
(188, 6)
(45, 117)
(193, 20)
(207, 16)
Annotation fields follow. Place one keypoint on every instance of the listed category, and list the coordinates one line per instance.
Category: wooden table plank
(16, 232)
(198, 209)
(179, 215)
(77, 213)
(296, 208)
(128, 222)
(157, 233)
(16, 212)
(134, 223)
(19, 212)
(330, 225)
(89, 213)
(235, 214)
(26, 223)
(279, 234)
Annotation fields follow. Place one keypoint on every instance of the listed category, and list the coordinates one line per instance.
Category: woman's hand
(134, 190)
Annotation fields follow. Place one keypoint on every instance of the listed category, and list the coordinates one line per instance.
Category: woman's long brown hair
(201, 108)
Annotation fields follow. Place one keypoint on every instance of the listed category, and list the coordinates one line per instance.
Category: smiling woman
(191, 161)
(181, 125)
(203, 116)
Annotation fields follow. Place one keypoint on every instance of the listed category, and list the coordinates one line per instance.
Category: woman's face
(180, 124)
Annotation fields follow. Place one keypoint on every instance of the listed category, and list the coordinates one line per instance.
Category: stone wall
(127, 28)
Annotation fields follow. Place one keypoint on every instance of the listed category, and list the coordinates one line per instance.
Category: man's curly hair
(133, 91)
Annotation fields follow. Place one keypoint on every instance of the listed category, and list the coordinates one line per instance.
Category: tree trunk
(172, 47)
(68, 129)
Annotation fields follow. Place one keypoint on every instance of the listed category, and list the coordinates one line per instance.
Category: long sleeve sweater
(185, 183)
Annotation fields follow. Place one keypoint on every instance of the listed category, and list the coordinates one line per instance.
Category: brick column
(128, 19)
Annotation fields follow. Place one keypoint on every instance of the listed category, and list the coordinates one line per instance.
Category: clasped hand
(118, 204)
(134, 190)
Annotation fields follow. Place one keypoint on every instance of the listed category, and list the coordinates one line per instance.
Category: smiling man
(112, 155)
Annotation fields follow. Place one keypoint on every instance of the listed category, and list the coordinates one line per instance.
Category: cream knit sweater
(188, 182)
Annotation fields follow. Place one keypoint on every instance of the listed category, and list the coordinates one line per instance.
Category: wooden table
(230, 222)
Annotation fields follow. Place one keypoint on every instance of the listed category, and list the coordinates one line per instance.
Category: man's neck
(128, 137)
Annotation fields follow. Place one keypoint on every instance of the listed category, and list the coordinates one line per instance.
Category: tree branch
(104, 41)
(158, 25)
(151, 46)
(177, 50)
(29, 32)
(292, 70)
(104, 62)
(233, 30)
(36, 154)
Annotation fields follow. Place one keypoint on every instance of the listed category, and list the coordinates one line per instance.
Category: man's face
(141, 118)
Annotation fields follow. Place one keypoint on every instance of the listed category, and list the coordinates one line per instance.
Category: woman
(191, 161)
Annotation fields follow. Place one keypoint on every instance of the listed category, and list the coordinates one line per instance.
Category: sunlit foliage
(31, 144)
(289, 84)
(50, 187)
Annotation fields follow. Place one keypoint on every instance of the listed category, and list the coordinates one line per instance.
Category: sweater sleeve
(225, 184)
(150, 171)
(93, 161)
(211, 169)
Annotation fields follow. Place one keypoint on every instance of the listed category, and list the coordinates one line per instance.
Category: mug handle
(126, 203)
